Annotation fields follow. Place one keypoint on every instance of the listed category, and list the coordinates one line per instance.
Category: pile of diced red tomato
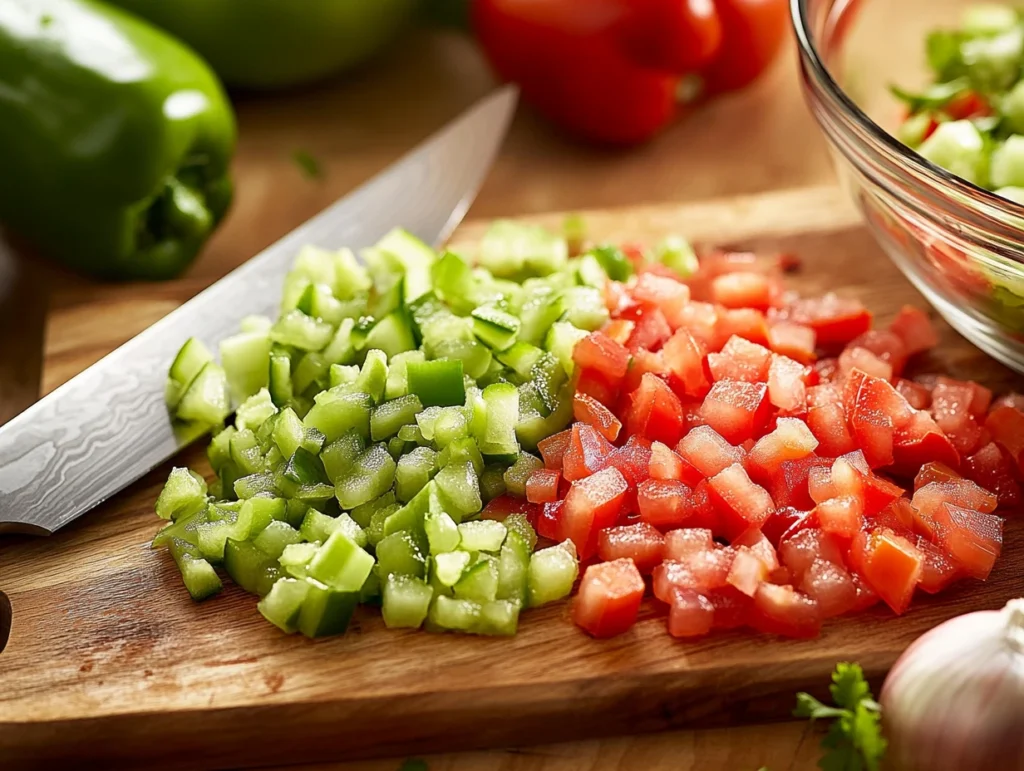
(761, 458)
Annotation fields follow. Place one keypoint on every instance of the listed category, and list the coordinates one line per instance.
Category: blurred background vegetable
(273, 44)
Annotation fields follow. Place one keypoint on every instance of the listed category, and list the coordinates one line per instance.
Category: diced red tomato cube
(690, 614)
(684, 356)
(700, 319)
(740, 503)
(1014, 400)
(748, 323)
(643, 544)
(874, 492)
(786, 389)
(791, 440)
(542, 486)
(915, 329)
(827, 369)
(599, 352)
(663, 503)
(898, 516)
(746, 572)
(921, 441)
(501, 507)
(587, 409)
(706, 450)
(667, 464)
(939, 570)
(991, 469)
(972, 538)
(595, 384)
(823, 395)
(784, 611)
(885, 345)
(702, 571)
(553, 449)
(616, 297)
(917, 396)
(842, 517)
(643, 362)
(935, 472)
(962, 492)
(740, 359)
(1006, 425)
(549, 521)
(650, 330)
(732, 607)
(789, 485)
(683, 543)
(981, 397)
(866, 596)
(820, 486)
(836, 320)
(799, 551)
(793, 340)
(854, 357)
(831, 586)
(656, 412)
(760, 547)
(592, 504)
(951, 409)
(608, 599)
(891, 564)
(633, 459)
(668, 294)
(742, 290)
(829, 426)
(873, 432)
(619, 330)
(736, 410)
(585, 454)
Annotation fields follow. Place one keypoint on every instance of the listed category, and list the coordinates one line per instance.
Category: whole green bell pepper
(276, 43)
(115, 139)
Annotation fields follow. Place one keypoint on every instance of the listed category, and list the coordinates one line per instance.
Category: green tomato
(267, 44)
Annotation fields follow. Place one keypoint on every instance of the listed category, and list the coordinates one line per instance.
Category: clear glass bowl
(960, 245)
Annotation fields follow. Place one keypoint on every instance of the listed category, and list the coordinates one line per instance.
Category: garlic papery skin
(954, 701)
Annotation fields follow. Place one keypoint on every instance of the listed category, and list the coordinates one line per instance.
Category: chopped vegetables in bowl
(925, 139)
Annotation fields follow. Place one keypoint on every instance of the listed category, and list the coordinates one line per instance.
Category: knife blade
(108, 426)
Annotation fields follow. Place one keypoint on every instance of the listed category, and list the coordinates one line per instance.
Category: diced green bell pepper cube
(373, 377)
(512, 250)
(400, 554)
(283, 603)
(519, 472)
(451, 425)
(298, 330)
(502, 414)
(275, 537)
(677, 254)
(406, 601)
(442, 532)
(343, 374)
(312, 373)
(538, 313)
(479, 582)
(386, 419)
(246, 361)
(613, 261)
(584, 307)
(462, 451)
(250, 567)
(341, 564)
(280, 378)
(549, 378)
(362, 514)
(454, 615)
(495, 328)
(378, 521)
(183, 527)
(448, 567)
(296, 557)
(513, 569)
(458, 486)
(339, 456)
(254, 411)
(392, 334)
(341, 350)
(340, 414)
(482, 535)
(371, 591)
(560, 341)
(425, 422)
(198, 575)
(498, 617)
(317, 526)
(182, 496)
(437, 383)
(246, 452)
(521, 357)
(326, 611)
(397, 383)
(219, 451)
(532, 428)
(552, 574)
(261, 511)
(187, 364)
(492, 483)
(415, 258)
(413, 472)
(371, 476)
(288, 432)
(205, 401)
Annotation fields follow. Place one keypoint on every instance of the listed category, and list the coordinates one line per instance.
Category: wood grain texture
(110, 661)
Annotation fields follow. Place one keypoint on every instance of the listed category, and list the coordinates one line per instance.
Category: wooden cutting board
(110, 663)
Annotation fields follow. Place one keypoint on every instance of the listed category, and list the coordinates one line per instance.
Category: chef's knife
(108, 426)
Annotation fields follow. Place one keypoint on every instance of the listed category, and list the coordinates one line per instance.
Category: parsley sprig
(854, 741)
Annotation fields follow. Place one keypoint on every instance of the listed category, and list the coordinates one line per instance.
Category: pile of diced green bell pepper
(393, 397)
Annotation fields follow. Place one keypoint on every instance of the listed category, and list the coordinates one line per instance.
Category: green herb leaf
(307, 164)
(935, 97)
(942, 48)
(854, 741)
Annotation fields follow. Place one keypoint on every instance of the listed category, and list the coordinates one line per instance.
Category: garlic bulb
(955, 699)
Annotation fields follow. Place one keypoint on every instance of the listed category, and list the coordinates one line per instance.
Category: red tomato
(740, 503)
(786, 389)
(969, 104)
(651, 328)
(736, 410)
(643, 544)
(700, 319)
(732, 607)
(831, 586)
(799, 550)
(656, 412)
(753, 32)
(684, 357)
(499, 508)
(973, 539)
(706, 450)
(991, 469)
(791, 440)
(742, 289)
(690, 614)
(891, 564)
(746, 572)
(917, 396)
(981, 397)
(593, 383)
(742, 360)
(681, 544)
(939, 570)
(599, 352)
(951, 409)
(915, 329)
(589, 410)
(886, 345)
(842, 517)
(643, 362)
(962, 492)
(835, 320)
(760, 547)
(679, 36)
(788, 486)
(619, 330)
(873, 431)
(549, 521)
(1014, 400)
(664, 503)
(585, 454)
(784, 611)
(1006, 425)
(921, 441)
(898, 516)
(608, 598)
(592, 505)
(670, 296)
(829, 426)
(793, 340)
(542, 486)
(748, 323)
(935, 472)
(854, 357)
(701, 571)
(667, 464)
(552, 449)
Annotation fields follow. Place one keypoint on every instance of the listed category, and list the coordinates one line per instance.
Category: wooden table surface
(759, 140)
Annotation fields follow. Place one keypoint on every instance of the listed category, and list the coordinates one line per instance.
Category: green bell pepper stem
(115, 162)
